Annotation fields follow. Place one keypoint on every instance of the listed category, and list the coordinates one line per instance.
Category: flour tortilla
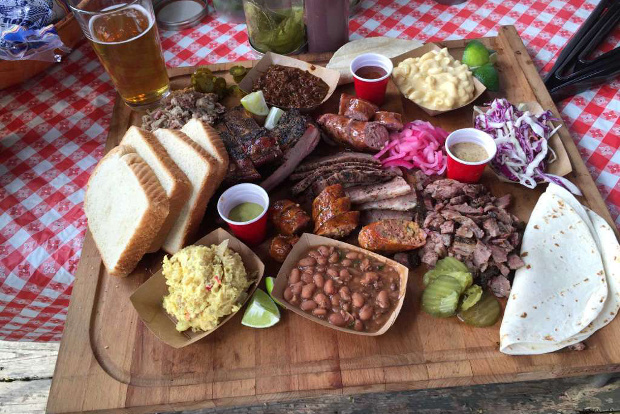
(562, 288)
(386, 46)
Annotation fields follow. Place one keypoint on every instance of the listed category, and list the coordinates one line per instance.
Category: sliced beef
(356, 108)
(332, 168)
(352, 178)
(391, 120)
(393, 188)
(359, 135)
(335, 159)
(304, 146)
(402, 203)
(349, 177)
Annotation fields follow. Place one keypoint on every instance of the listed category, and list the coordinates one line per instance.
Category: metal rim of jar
(158, 5)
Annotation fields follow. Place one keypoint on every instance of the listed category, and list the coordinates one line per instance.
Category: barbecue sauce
(370, 72)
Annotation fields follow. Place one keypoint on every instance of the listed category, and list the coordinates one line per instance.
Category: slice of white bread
(125, 206)
(173, 180)
(209, 139)
(201, 169)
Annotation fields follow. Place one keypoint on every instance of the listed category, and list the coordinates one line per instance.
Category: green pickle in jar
(275, 30)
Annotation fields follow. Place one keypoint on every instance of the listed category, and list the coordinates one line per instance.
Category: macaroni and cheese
(435, 80)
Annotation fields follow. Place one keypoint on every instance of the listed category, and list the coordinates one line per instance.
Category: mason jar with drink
(125, 38)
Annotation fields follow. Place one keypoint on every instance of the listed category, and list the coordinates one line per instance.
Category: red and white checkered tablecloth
(53, 130)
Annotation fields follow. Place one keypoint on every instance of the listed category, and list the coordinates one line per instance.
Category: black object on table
(574, 71)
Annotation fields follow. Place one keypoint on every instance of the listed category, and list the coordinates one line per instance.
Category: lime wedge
(255, 103)
(262, 312)
(273, 117)
(269, 282)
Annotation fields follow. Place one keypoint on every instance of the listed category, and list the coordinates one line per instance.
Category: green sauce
(245, 212)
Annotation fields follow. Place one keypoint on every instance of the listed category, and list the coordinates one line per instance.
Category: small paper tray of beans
(341, 286)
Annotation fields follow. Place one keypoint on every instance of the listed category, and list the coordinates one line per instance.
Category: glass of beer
(125, 37)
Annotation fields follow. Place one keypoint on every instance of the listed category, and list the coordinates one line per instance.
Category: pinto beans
(308, 305)
(308, 290)
(296, 288)
(344, 287)
(336, 319)
(328, 287)
(319, 281)
(357, 299)
(383, 299)
(322, 300)
(366, 312)
(294, 277)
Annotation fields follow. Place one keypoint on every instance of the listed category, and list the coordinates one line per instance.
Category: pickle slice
(443, 267)
(484, 313)
(451, 264)
(441, 296)
(471, 296)
(464, 278)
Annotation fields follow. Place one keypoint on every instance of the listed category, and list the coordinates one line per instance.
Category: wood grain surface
(108, 360)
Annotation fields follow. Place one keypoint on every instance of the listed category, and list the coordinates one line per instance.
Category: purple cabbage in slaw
(523, 150)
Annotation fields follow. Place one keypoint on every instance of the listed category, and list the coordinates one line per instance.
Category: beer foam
(119, 6)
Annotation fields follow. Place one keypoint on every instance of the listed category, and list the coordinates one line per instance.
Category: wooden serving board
(109, 361)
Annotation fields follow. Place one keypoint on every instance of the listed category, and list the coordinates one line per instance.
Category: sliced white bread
(125, 206)
(209, 139)
(173, 180)
(201, 170)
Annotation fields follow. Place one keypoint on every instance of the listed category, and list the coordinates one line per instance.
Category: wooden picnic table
(26, 370)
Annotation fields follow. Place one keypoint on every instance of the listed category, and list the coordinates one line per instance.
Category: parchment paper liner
(479, 88)
(308, 240)
(329, 76)
(147, 299)
(561, 166)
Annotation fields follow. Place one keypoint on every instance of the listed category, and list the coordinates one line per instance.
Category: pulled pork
(181, 106)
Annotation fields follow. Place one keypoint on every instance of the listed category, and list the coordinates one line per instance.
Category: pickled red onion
(418, 145)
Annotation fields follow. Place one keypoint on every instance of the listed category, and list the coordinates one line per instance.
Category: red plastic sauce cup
(464, 171)
(372, 90)
(251, 232)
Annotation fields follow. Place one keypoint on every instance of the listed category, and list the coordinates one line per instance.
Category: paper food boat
(148, 298)
(561, 166)
(479, 88)
(329, 76)
(307, 241)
